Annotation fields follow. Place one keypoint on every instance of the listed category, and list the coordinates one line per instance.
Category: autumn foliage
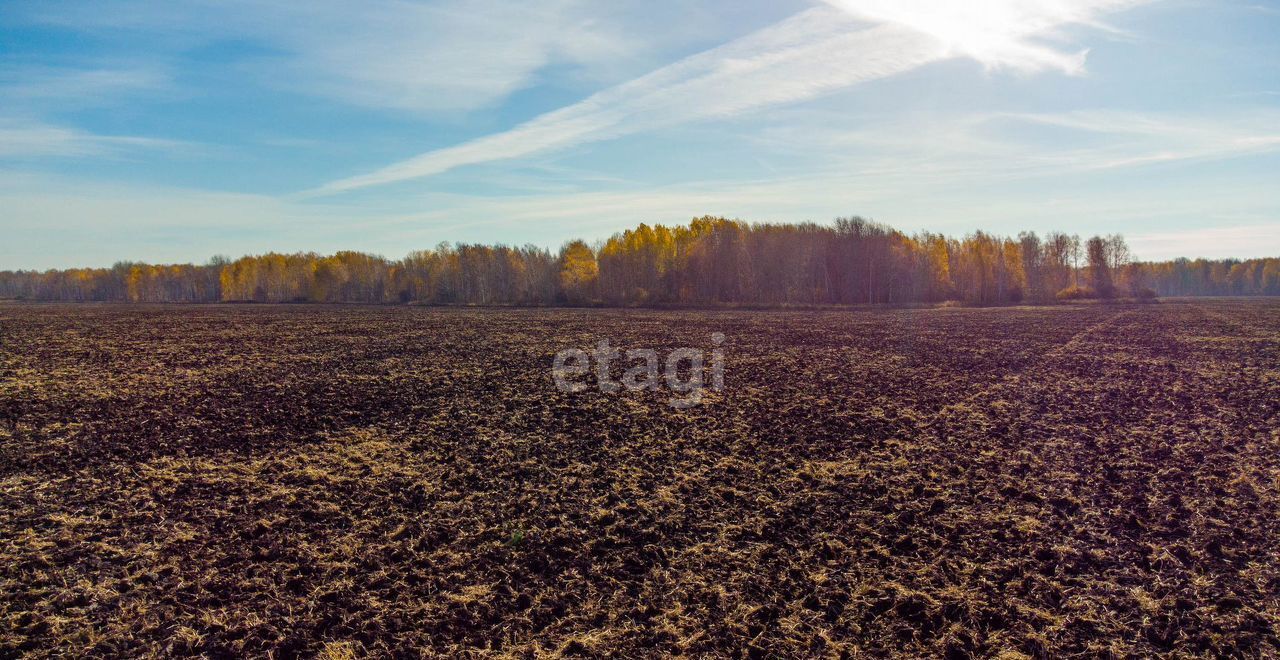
(710, 261)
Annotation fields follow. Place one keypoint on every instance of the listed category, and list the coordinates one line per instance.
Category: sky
(174, 131)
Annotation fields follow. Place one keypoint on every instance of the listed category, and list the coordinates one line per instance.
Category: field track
(395, 481)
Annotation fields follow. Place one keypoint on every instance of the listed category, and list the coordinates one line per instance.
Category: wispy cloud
(41, 85)
(816, 52)
(27, 139)
(441, 56)
(1021, 144)
(32, 92)
(1136, 139)
(813, 53)
(451, 55)
(1210, 242)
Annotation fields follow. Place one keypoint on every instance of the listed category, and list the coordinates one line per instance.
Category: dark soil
(300, 480)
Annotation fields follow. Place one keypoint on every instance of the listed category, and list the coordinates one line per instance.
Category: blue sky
(170, 132)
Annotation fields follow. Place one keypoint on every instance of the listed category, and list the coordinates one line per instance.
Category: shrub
(1076, 293)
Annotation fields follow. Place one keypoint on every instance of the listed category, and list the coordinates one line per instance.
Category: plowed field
(300, 480)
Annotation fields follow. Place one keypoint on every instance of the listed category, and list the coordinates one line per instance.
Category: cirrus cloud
(815, 52)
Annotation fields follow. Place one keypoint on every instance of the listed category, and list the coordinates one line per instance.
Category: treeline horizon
(709, 261)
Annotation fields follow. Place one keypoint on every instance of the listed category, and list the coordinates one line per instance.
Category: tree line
(709, 261)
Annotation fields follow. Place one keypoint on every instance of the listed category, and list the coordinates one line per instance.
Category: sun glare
(999, 33)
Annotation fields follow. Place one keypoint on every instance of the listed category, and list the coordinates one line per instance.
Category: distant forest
(711, 261)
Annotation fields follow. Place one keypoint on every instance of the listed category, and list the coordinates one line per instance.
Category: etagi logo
(642, 370)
